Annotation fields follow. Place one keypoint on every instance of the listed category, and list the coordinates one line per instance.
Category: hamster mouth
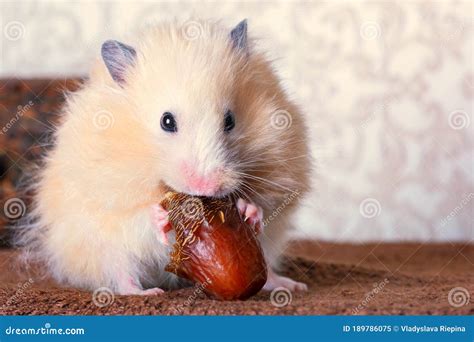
(218, 194)
(164, 188)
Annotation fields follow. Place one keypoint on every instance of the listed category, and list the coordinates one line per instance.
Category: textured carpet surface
(342, 279)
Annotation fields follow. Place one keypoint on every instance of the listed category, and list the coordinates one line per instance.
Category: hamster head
(203, 100)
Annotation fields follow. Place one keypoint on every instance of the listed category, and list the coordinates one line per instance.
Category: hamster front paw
(159, 218)
(251, 213)
(150, 292)
(129, 287)
(140, 292)
(274, 280)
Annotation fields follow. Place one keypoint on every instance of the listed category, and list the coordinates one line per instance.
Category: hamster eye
(168, 122)
(229, 121)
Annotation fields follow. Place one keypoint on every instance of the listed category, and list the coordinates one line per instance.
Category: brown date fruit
(214, 247)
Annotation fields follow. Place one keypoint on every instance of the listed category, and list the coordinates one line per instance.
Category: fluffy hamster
(200, 112)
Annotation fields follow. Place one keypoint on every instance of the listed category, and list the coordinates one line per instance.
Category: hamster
(196, 112)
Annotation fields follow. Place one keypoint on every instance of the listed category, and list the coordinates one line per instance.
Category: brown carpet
(343, 279)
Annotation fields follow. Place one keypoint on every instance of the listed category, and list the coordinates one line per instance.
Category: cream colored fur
(91, 224)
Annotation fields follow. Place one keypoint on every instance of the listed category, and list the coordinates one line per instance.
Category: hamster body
(196, 114)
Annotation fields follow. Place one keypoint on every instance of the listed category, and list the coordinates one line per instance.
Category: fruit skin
(215, 247)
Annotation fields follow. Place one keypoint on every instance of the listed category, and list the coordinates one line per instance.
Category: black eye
(229, 121)
(168, 122)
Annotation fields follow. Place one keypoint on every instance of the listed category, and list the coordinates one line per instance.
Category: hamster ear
(239, 36)
(117, 57)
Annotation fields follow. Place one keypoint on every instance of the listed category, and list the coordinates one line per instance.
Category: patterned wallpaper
(388, 89)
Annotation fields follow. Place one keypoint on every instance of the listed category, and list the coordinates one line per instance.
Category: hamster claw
(251, 213)
(160, 220)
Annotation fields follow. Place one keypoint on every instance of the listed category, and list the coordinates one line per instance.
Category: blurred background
(387, 87)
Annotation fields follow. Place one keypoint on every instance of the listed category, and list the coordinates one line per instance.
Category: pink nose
(205, 185)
